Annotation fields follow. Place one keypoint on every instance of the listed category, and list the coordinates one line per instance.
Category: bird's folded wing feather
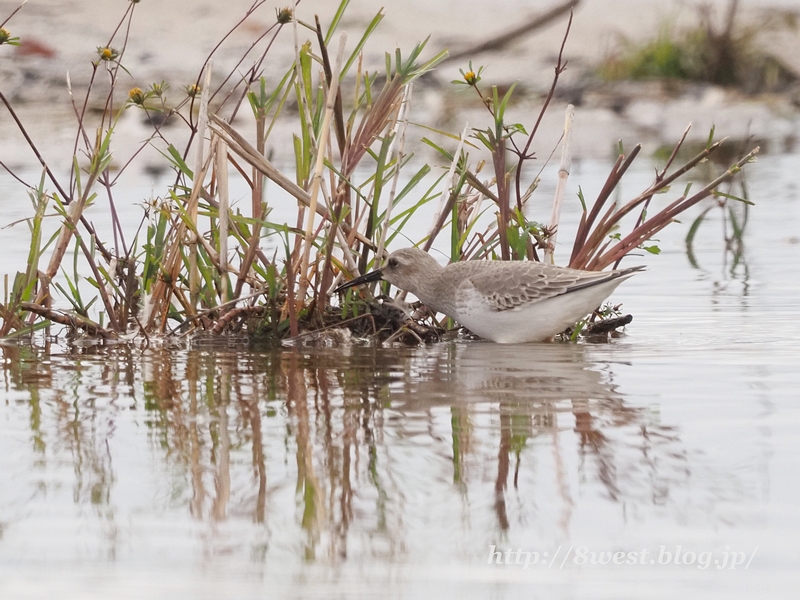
(512, 288)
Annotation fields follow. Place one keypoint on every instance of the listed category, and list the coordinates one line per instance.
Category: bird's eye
(393, 263)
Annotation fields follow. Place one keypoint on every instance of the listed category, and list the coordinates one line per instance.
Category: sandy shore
(170, 40)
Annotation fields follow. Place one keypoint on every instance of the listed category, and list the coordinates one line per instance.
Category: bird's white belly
(530, 322)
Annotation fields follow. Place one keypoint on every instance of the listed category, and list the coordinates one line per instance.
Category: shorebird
(507, 302)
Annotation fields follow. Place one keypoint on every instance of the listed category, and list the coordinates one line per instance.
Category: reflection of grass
(735, 217)
(725, 54)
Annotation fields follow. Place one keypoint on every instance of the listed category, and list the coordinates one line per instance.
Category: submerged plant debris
(195, 264)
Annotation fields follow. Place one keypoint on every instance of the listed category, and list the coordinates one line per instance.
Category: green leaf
(335, 22)
(360, 46)
(177, 160)
(710, 140)
(581, 199)
(717, 193)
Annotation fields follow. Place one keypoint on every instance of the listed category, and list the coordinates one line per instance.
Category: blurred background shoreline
(170, 40)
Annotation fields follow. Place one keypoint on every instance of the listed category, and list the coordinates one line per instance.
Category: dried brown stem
(15, 11)
(560, 67)
(613, 216)
(326, 65)
(316, 179)
(33, 147)
(70, 320)
(617, 171)
(652, 226)
(236, 313)
(244, 149)
(112, 317)
(499, 159)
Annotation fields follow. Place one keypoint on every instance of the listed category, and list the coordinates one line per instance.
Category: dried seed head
(284, 15)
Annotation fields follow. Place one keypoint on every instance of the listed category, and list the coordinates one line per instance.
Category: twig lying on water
(70, 320)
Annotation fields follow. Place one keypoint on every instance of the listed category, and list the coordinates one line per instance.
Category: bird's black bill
(375, 275)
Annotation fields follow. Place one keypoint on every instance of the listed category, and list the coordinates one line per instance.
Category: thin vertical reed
(563, 175)
(400, 128)
(202, 125)
(221, 156)
(445, 201)
(330, 104)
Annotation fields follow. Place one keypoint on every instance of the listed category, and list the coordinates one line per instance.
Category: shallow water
(207, 472)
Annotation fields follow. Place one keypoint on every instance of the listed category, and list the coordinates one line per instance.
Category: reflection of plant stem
(195, 453)
(223, 477)
(297, 405)
(562, 481)
(502, 471)
(349, 445)
(251, 406)
(733, 228)
(459, 423)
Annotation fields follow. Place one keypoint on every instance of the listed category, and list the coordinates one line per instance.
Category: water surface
(205, 471)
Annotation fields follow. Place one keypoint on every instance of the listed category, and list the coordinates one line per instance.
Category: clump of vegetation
(723, 53)
(196, 263)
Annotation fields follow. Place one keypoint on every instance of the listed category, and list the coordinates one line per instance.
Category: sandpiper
(507, 302)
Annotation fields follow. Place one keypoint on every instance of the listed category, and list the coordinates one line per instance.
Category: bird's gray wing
(514, 284)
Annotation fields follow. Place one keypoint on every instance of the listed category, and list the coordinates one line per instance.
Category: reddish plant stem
(561, 66)
(652, 226)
